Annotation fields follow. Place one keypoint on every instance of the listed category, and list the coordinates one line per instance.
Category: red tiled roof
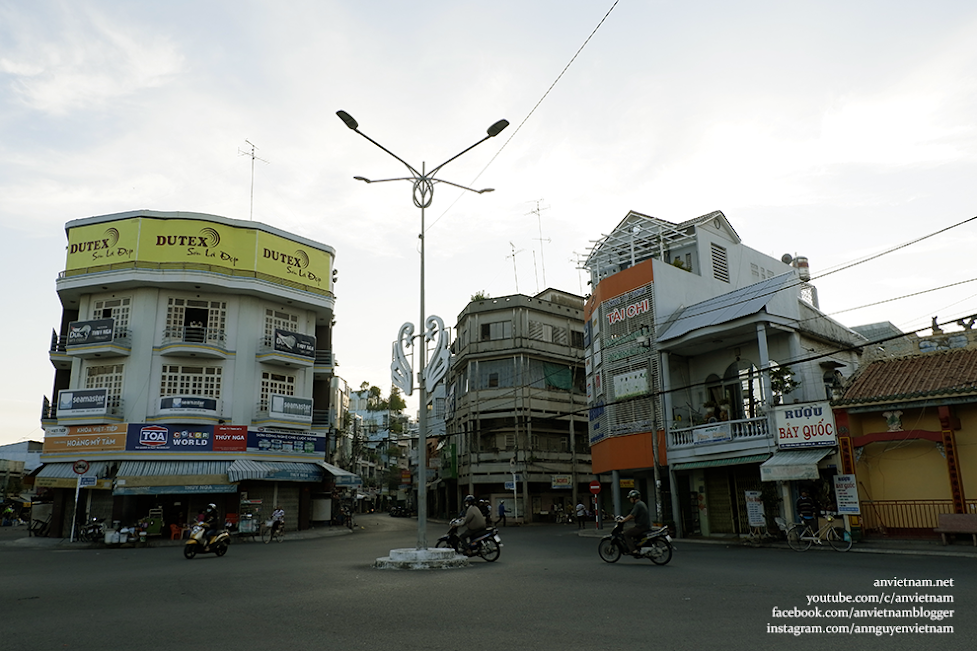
(948, 373)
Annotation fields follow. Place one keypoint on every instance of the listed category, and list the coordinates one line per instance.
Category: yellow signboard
(196, 243)
(78, 443)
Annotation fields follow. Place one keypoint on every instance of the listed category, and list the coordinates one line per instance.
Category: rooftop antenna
(253, 159)
(513, 256)
(539, 222)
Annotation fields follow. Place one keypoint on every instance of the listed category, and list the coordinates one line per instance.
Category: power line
(530, 114)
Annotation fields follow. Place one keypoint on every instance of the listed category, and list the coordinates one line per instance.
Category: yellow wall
(909, 468)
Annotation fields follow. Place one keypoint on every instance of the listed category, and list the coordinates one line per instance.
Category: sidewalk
(960, 549)
(18, 537)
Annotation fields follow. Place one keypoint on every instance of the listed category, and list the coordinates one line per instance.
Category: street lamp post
(423, 182)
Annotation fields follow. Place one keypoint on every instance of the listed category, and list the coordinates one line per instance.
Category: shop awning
(62, 475)
(172, 477)
(790, 465)
(274, 471)
(713, 463)
(343, 477)
(100, 469)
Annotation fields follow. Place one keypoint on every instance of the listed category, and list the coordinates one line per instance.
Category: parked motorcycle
(486, 544)
(656, 545)
(196, 544)
(92, 531)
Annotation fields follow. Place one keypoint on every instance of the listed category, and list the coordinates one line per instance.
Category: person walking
(581, 515)
(501, 512)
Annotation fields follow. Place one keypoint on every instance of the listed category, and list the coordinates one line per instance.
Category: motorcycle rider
(473, 523)
(210, 522)
(642, 521)
(277, 519)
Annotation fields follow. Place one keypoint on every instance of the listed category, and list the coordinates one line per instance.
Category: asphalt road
(549, 590)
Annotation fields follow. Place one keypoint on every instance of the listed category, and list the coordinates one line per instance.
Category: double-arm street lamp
(423, 193)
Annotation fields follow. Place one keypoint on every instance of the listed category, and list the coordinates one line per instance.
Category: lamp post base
(421, 559)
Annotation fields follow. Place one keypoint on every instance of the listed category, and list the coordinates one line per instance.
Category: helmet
(634, 495)
(211, 507)
(469, 499)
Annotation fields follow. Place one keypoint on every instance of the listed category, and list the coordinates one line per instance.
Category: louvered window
(720, 265)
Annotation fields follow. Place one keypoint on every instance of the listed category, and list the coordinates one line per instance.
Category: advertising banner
(290, 408)
(187, 403)
(107, 442)
(846, 495)
(808, 425)
(561, 481)
(162, 438)
(294, 343)
(82, 402)
(90, 332)
(198, 242)
(754, 509)
(287, 443)
(712, 434)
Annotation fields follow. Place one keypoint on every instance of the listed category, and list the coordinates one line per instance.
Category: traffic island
(422, 559)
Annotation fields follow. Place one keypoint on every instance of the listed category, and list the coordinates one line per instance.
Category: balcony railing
(750, 429)
(121, 337)
(194, 335)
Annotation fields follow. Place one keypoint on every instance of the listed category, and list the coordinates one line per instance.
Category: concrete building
(193, 364)
(516, 405)
(674, 333)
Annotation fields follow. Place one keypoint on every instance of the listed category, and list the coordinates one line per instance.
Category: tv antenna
(253, 159)
(513, 256)
(539, 222)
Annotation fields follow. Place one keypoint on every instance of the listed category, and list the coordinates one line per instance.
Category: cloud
(83, 59)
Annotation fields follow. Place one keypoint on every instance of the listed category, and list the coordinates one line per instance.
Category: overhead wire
(528, 115)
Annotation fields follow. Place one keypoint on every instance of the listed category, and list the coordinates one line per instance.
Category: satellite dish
(786, 258)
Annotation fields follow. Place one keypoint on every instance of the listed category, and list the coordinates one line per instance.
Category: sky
(832, 130)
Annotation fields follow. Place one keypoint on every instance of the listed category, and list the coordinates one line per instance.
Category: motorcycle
(196, 544)
(486, 544)
(93, 531)
(655, 545)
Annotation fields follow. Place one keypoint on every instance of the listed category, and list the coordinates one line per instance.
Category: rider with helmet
(473, 522)
(211, 521)
(642, 521)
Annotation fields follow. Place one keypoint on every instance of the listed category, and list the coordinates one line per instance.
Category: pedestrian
(501, 512)
(581, 514)
(808, 510)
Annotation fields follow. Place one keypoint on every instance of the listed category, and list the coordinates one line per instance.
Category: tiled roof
(949, 373)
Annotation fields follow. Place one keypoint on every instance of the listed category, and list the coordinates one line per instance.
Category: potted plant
(782, 382)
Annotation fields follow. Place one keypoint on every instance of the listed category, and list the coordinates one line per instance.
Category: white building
(193, 364)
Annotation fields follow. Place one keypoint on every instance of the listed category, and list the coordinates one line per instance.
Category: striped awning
(794, 465)
(728, 461)
(100, 469)
(172, 468)
(243, 469)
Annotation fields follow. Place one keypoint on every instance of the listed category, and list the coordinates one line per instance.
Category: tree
(480, 295)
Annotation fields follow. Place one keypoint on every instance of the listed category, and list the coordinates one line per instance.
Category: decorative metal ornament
(438, 365)
(400, 370)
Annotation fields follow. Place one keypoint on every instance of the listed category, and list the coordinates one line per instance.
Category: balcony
(278, 351)
(194, 341)
(80, 342)
(718, 438)
(325, 362)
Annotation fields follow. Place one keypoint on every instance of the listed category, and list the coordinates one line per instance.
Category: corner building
(193, 364)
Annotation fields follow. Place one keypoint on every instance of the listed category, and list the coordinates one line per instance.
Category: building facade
(649, 278)
(193, 364)
(908, 434)
(515, 406)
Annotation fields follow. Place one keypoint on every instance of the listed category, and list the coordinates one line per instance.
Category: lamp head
(486, 190)
(361, 178)
(353, 124)
(493, 130)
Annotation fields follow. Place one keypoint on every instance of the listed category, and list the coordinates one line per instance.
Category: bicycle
(270, 532)
(800, 537)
